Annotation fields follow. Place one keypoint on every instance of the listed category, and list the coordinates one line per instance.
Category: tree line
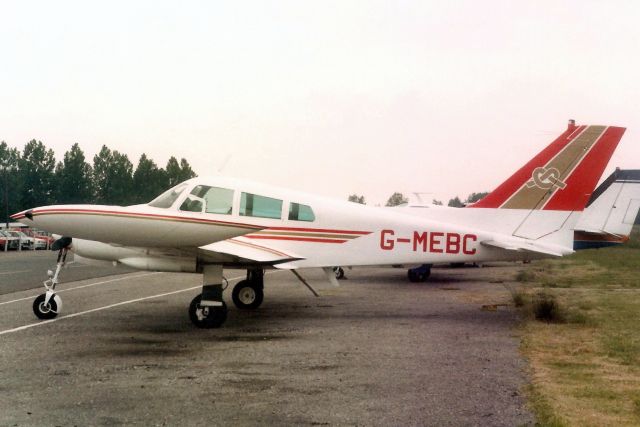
(34, 178)
(397, 199)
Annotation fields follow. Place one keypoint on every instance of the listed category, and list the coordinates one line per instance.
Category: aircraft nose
(28, 214)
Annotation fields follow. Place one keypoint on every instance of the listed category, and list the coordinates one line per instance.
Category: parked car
(26, 242)
(7, 239)
(40, 241)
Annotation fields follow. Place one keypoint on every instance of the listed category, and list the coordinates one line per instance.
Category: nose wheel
(46, 306)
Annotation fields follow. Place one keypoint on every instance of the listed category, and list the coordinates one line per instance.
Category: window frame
(313, 214)
(253, 215)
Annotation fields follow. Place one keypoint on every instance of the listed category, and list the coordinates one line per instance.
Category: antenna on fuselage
(224, 163)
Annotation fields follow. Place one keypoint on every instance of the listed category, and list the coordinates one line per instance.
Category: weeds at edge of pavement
(596, 347)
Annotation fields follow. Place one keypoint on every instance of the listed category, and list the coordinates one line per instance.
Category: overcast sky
(327, 97)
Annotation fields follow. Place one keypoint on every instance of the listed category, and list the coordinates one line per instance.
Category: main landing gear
(48, 305)
(208, 310)
(419, 274)
(248, 294)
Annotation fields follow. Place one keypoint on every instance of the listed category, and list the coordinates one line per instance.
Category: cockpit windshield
(166, 199)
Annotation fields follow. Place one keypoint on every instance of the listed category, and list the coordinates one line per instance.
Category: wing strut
(313, 291)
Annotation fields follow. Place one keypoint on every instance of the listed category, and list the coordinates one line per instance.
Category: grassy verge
(585, 358)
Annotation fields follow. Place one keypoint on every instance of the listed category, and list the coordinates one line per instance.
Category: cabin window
(204, 198)
(260, 206)
(166, 199)
(298, 212)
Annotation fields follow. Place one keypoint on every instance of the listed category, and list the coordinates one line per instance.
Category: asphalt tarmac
(376, 351)
(28, 269)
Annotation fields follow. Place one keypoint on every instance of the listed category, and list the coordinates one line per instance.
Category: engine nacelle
(138, 258)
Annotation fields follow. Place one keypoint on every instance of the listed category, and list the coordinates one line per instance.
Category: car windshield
(166, 199)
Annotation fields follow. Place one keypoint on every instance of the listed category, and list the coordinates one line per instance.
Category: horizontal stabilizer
(245, 249)
(527, 246)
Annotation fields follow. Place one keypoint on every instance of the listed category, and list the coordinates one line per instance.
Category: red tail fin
(563, 175)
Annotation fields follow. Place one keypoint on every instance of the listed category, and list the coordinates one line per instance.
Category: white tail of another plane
(611, 212)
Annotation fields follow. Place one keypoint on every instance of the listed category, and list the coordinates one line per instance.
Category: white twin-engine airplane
(207, 223)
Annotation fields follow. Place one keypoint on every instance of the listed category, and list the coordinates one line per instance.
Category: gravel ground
(377, 351)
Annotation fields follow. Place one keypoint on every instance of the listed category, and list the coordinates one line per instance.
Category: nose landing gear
(48, 305)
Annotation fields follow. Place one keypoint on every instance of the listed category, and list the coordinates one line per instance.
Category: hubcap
(247, 296)
(44, 308)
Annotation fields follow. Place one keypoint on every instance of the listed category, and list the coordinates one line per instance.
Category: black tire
(415, 277)
(207, 317)
(339, 272)
(46, 312)
(419, 274)
(247, 295)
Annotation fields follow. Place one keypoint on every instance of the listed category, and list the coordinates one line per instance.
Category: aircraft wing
(241, 248)
(524, 246)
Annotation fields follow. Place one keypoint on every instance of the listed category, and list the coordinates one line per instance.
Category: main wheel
(207, 317)
(247, 295)
(415, 277)
(339, 272)
(419, 274)
(47, 311)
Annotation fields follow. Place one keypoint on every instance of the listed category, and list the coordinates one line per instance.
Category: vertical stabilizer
(562, 176)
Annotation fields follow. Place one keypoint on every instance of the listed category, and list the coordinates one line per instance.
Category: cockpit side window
(204, 198)
(166, 199)
(260, 206)
(299, 212)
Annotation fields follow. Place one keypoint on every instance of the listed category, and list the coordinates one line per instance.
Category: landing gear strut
(47, 306)
(208, 310)
(419, 274)
(248, 294)
(339, 272)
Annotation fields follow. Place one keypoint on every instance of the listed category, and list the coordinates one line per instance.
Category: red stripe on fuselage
(296, 239)
(143, 215)
(319, 230)
(200, 220)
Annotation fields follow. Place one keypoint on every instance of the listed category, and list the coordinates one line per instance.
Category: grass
(585, 363)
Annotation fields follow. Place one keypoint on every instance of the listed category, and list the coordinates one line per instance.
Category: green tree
(185, 170)
(357, 199)
(178, 172)
(456, 202)
(101, 176)
(474, 197)
(396, 199)
(113, 177)
(148, 180)
(36, 173)
(9, 159)
(74, 178)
